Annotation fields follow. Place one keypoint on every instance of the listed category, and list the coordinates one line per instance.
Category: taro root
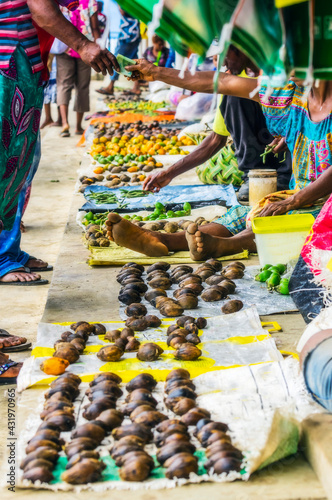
(106, 376)
(135, 470)
(174, 383)
(163, 266)
(139, 430)
(149, 352)
(171, 310)
(188, 301)
(141, 409)
(232, 306)
(187, 352)
(201, 323)
(86, 471)
(127, 332)
(193, 339)
(79, 444)
(227, 464)
(141, 395)
(216, 264)
(67, 351)
(194, 415)
(34, 445)
(163, 283)
(44, 453)
(151, 418)
(129, 297)
(214, 280)
(42, 474)
(135, 310)
(132, 345)
(111, 418)
(170, 449)
(153, 295)
(93, 410)
(113, 335)
(99, 329)
(75, 459)
(178, 373)
(39, 462)
(175, 340)
(63, 421)
(233, 273)
(152, 321)
(121, 343)
(110, 353)
(141, 381)
(182, 392)
(183, 406)
(137, 324)
(181, 465)
(228, 285)
(191, 327)
(171, 227)
(213, 293)
(90, 430)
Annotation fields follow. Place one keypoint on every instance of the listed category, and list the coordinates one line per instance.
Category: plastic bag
(194, 107)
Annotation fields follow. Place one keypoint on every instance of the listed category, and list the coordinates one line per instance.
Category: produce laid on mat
(146, 342)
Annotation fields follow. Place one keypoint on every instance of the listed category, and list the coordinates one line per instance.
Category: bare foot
(11, 341)
(128, 235)
(203, 246)
(36, 263)
(46, 123)
(19, 275)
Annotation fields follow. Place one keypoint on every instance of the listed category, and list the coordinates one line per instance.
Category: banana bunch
(221, 169)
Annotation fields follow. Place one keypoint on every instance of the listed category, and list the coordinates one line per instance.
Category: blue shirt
(129, 29)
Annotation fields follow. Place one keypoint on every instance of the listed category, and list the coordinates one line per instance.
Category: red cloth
(45, 43)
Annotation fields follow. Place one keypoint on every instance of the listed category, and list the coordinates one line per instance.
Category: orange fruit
(98, 170)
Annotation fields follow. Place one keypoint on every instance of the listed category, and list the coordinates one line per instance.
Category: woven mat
(118, 256)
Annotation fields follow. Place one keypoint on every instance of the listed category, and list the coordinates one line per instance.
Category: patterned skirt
(21, 100)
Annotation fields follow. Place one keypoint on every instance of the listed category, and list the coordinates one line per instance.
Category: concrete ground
(80, 292)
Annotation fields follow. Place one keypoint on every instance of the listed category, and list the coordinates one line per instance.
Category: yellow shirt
(219, 126)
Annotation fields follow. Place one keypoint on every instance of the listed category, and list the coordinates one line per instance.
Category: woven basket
(221, 169)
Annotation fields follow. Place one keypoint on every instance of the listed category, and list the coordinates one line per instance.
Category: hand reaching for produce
(157, 181)
(143, 69)
(279, 145)
(279, 207)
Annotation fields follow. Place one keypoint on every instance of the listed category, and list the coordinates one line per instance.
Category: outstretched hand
(155, 182)
(279, 207)
(101, 60)
(279, 145)
(142, 70)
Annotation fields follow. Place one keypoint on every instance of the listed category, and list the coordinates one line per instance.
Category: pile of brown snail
(159, 280)
(71, 344)
(57, 416)
(132, 284)
(130, 439)
(84, 464)
(184, 337)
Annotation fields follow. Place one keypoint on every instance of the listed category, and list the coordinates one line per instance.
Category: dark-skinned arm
(201, 81)
(318, 189)
(47, 15)
(95, 26)
(208, 148)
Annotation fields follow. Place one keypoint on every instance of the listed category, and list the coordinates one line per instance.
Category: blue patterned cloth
(50, 90)
(234, 219)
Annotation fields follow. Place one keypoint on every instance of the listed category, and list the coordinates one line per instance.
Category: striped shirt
(16, 28)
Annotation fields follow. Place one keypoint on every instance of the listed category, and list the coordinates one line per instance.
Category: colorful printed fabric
(129, 28)
(310, 143)
(16, 28)
(80, 18)
(234, 219)
(21, 100)
(50, 90)
(161, 59)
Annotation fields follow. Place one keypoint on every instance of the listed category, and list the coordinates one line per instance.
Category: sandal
(5, 367)
(65, 132)
(26, 270)
(39, 269)
(103, 91)
(15, 348)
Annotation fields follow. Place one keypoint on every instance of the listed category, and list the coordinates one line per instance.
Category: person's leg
(82, 88)
(156, 244)
(65, 84)
(48, 117)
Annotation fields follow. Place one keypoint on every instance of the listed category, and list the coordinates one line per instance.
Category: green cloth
(21, 100)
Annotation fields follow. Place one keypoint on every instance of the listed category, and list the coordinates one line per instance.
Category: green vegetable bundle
(221, 169)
